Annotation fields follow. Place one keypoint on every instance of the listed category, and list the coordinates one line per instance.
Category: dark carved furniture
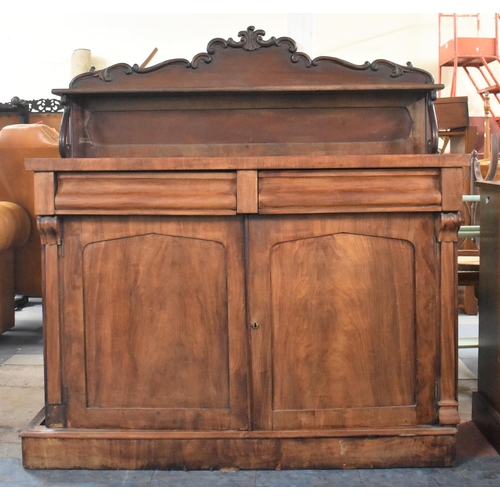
(48, 111)
(250, 262)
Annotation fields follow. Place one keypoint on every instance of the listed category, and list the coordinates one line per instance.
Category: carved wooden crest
(230, 64)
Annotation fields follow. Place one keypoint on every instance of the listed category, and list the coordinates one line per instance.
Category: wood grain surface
(339, 332)
(163, 344)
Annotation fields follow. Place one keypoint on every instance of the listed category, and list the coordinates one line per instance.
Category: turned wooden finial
(487, 138)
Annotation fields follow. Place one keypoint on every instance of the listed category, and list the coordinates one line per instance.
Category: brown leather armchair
(15, 227)
(20, 250)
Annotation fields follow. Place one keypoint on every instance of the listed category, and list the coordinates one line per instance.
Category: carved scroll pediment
(251, 39)
(274, 57)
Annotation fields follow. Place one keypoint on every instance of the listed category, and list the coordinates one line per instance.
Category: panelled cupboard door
(154, 322)
(344, 314)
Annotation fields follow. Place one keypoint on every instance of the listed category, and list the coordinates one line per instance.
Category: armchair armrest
(15, 225)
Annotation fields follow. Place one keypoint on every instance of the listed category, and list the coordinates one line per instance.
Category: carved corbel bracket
(50, 230)
(448, 226)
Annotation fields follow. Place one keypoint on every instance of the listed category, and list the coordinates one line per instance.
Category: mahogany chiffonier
(249, 262)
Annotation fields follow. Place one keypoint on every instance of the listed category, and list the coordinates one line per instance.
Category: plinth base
(47, 448)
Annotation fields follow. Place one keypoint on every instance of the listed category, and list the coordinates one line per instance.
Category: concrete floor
(21, 397)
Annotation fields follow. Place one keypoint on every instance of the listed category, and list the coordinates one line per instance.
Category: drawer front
(190, 193)
(284, 192)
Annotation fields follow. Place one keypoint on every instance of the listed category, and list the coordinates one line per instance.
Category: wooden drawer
(282, 192)
(172, 193)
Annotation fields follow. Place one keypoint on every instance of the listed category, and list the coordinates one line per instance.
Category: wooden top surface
(248, 163)
(257, 88)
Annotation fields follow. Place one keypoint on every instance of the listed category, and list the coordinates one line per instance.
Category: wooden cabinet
(266, 335)
(251, 298)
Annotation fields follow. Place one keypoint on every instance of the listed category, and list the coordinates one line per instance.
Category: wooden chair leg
(7, 314)
(470, 301)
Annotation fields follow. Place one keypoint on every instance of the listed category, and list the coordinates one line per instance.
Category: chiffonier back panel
(253, 97)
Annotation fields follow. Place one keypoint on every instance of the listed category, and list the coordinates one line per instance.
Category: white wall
(36, 48)
(39, 58)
